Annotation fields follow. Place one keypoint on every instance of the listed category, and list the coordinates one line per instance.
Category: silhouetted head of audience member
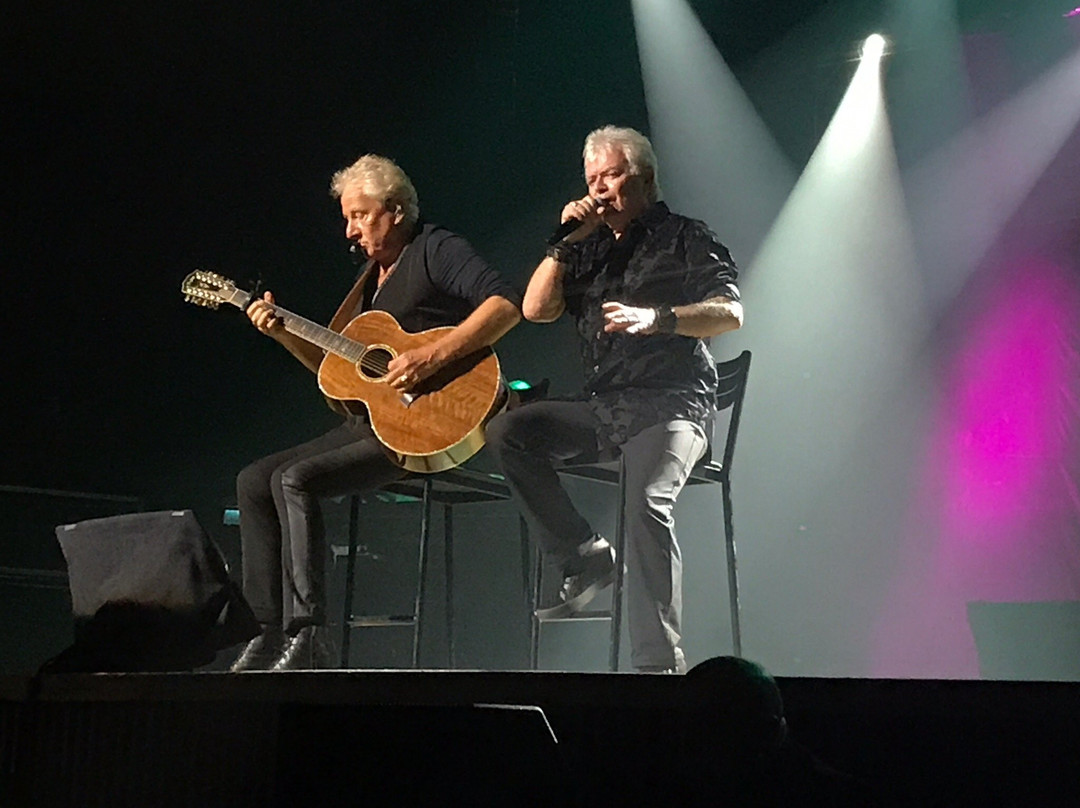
(737, 748)
(738, 707)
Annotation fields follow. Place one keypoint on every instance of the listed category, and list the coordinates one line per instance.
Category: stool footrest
(376, 620)
(604, 614)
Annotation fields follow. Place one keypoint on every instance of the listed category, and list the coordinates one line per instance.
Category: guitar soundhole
(373, 364)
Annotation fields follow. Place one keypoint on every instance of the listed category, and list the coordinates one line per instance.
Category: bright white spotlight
(874, 47)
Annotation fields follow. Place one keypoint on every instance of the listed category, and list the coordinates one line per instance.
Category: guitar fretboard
(320, 335)
(207, 288)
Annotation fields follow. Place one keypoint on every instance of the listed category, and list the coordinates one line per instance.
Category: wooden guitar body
(437, 425)
(440, 422)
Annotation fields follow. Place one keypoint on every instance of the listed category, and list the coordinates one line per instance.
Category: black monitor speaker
(149, 592)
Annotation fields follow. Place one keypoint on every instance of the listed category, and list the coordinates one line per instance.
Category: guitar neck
(323, 337)
(329, 341)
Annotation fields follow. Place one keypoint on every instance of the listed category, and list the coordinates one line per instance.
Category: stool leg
(448, 555)
(732, 571)
(350, 575)
(531, 588)
(620, 554)
(421, 574)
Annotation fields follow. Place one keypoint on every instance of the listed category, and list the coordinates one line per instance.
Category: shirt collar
(654, 215)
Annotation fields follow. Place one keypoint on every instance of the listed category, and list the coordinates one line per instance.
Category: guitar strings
(208, 288)
(372, 363)
(375, 363)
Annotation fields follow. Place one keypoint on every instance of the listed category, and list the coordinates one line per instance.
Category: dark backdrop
(144, 142)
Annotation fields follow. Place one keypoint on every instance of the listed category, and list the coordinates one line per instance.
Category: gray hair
(635, 147)
(380, 178)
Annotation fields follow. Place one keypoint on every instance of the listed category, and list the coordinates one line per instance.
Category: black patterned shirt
(636, 381)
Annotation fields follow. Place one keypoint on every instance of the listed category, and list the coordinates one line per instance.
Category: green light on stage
(519, 384)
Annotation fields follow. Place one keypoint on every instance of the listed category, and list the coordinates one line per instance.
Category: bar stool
(731, 389)
(457, 486)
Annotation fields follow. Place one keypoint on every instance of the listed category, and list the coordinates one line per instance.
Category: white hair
(635, 147)
(380, 178)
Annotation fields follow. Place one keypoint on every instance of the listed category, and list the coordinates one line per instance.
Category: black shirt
(438, 280)
(635, 381)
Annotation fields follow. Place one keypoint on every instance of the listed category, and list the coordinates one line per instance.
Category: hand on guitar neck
(405, 370)
(264, 315)
(457, 388)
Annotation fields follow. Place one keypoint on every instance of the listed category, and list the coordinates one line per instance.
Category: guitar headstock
(209, 289)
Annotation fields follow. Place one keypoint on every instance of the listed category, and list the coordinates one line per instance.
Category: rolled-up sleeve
(458, 270)
(711, 271)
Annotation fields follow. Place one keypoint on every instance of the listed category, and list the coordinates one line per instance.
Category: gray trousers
(281, 527)
(529, 442)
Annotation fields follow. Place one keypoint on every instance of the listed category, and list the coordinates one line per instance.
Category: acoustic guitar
(437, 425)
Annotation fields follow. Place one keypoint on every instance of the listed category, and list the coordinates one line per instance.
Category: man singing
(425, 276)
(646, 288)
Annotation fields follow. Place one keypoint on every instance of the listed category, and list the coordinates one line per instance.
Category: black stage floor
(460, 737)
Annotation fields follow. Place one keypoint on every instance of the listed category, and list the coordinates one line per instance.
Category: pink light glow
(1074, 13)
(994, 509)
(1004, 398)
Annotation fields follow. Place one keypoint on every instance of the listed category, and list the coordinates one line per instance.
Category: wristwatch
(560, 252)
(666, 320)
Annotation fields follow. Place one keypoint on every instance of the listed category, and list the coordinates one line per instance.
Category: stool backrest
(729, 395)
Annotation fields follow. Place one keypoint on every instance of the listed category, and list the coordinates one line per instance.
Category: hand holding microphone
(579, 219)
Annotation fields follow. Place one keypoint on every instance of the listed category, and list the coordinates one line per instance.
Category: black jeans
(529, 442)
(281, 526)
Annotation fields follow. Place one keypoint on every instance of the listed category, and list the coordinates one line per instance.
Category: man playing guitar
(427, 278)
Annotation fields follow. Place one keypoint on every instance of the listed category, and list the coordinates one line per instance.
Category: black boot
(261, 653)
(310, 649)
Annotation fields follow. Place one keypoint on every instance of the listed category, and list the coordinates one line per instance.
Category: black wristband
(666, 320)
(560, 252)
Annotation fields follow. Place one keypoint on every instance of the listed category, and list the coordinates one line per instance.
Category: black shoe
(596, 570)
(309, 650)
(261, 653)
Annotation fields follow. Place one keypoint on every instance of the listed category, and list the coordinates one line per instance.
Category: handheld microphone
(567, 227)
(564, 230)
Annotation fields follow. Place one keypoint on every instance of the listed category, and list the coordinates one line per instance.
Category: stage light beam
(860, 114)
(874, 47)
(843, 305)
(718, 160)
(962, 195)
